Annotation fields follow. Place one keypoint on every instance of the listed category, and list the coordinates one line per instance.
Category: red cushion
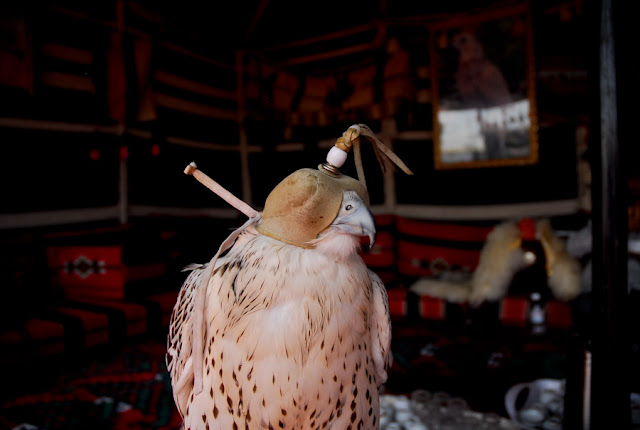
(432, 308)
(166, 302)
(105, 256)
(44, 330)
(417, 259)
(86, 272)
(91, 321)
(398, 305)
(383, 252)
(10, 337)
(514, 310)
(443, 230)
(40, 338)
(426, 248)
(134, 314)
(132, 311)
(559, 314)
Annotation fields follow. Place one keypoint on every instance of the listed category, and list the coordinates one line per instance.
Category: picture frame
(483, 86)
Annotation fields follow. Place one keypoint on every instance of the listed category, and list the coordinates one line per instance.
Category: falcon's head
(312, 209)
(355, 218)
(349, 229)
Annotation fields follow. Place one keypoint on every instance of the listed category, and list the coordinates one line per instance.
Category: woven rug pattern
(131, 390)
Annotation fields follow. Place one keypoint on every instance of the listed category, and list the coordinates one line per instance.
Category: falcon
(286, 328)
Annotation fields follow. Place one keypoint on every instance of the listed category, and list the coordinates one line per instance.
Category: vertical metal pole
(610, 404)
(388, 132)
(244, 145)
(123, 172)
(123, 191)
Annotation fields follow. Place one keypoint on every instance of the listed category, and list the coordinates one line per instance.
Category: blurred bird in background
(479, 81)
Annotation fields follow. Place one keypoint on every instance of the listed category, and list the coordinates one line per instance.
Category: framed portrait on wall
(483, 82)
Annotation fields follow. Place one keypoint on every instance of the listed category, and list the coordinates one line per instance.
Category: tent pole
(610, 404)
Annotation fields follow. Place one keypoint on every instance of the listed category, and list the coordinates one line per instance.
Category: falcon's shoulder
(220, 297)
(178, 356)
(380, 327)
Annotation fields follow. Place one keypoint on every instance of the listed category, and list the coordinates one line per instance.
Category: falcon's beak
(360, 222)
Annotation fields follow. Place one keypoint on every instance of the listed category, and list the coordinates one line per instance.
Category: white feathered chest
(294, 339)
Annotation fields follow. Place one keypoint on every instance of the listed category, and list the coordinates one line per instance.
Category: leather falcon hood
(305, 203)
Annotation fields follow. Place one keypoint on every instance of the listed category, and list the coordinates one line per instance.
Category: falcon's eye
(348, 207)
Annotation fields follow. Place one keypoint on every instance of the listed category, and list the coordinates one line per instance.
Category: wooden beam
(245, 171)
(290, 147)
(67, 81)
(195, 87)
(414, 135)
(183, 105)
(256, 17)
(376, 43)
(331, 54)
(192, 54)
(488, 212)
(35, 124)
(210, 145)
(67, 53)
(139, 33)
(150, 210)
(322, 38)
(48, 218)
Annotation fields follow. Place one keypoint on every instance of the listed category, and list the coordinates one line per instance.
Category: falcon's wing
(178, 358)
(381, 328)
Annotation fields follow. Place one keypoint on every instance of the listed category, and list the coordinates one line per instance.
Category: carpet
(129, 390)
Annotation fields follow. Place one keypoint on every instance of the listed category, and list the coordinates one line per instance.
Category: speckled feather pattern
(295, 338)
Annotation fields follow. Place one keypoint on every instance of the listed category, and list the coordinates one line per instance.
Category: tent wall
(114, 93)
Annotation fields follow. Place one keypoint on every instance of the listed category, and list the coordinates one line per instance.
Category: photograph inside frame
(484, 91)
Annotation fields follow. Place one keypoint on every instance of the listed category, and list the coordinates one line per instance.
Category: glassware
(469, 422)
(457, 405)
(441, 398)
(491, 421)
(428, 412)
(402, 403)
(420, 397)
(552, 423)
(386, 415)
(533, 414)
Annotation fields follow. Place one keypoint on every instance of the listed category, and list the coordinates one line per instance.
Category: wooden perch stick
(205, 180)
